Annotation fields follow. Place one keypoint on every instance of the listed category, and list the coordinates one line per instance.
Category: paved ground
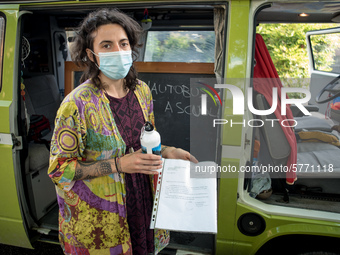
(178, 244)
(40, 249)
(52, 249)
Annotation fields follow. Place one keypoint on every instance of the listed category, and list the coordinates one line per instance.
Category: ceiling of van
(167, 16)
(289, 12)
(163, 16)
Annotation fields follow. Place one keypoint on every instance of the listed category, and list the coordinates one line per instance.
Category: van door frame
(12, 216)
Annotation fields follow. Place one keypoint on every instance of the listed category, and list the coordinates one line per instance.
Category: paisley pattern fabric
(92, 213)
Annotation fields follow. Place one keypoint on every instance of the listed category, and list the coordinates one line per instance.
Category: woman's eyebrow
(109, 41)
(124, 39)
(105, 41)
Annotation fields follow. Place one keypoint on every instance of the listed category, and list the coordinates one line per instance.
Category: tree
(287, 46)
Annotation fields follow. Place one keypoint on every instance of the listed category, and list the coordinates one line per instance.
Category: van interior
(44, 68)
(317, 165)
(179, 43)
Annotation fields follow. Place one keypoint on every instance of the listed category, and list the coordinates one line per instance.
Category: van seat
(316, 121)
(318, 160)
(42, 98)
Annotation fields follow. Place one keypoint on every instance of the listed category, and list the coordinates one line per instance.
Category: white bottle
(150, 139)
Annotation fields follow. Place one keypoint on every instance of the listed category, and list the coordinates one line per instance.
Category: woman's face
(108, 38)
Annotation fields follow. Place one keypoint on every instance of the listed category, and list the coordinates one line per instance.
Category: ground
(40, 249)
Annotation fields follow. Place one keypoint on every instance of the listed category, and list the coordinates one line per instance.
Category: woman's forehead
(109, 32)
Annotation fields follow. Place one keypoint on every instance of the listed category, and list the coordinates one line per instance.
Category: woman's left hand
(177, 153)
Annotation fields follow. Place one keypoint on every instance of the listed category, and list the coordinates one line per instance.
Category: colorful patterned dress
(92, 213)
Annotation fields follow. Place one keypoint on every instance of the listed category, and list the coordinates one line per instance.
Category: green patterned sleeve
(67, 145)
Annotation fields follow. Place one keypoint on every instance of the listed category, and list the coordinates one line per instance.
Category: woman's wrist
(165, 150)
(118, 166)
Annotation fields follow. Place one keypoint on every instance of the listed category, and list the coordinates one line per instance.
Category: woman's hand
(177, 153)
(139, 162)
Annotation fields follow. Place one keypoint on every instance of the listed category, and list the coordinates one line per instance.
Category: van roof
(163, 16)
(72, 12)
(288, 12)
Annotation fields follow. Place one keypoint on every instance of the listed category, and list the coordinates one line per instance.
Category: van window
(326, 52)
(2, 35)
(180, 46)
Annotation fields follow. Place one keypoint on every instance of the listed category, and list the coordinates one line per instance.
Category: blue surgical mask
(115, 65)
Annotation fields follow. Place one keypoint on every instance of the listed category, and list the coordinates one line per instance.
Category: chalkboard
(77, 76)
(177, 108)
(177, 105)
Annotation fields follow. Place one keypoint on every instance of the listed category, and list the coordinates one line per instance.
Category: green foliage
(180, 46)
(326, 53)
(287, 46)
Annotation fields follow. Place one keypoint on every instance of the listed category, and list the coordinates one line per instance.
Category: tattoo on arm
(90, 170)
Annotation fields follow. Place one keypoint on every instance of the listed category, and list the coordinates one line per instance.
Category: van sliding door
(12, 225)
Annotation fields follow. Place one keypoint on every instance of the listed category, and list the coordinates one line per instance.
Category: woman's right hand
(138, 162)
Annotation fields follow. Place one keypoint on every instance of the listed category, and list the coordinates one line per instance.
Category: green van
(217, 42)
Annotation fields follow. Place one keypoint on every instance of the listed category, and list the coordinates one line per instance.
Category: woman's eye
(125, 44)
(107, 46)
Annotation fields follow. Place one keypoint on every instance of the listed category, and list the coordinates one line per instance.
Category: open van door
(28, 207)
(12, 221)
(324, 85)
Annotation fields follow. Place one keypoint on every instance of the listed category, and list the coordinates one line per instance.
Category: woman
(102, 178)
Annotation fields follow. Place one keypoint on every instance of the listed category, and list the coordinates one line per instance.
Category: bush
(288, 48)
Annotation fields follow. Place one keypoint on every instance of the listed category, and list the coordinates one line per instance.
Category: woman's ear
(89, 54)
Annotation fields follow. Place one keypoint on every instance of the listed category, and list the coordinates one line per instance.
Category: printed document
(183, 203)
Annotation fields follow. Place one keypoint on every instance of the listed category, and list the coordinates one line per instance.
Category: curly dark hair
(84, 40)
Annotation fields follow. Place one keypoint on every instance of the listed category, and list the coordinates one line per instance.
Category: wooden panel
(174, 67)
(146, 67)
(70, 68)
